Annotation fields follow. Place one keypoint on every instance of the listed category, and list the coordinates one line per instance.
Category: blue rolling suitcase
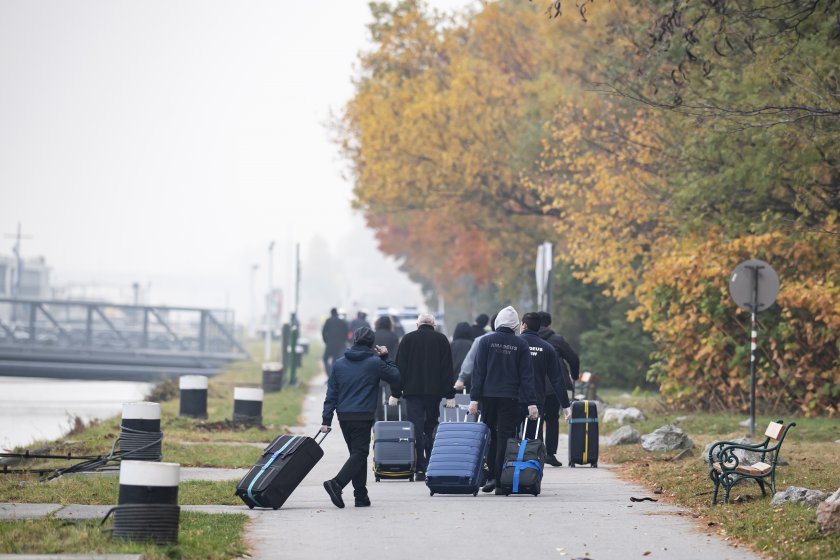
(458, 454)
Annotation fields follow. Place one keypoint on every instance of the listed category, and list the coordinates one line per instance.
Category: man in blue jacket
(353, 391)
(502, 375)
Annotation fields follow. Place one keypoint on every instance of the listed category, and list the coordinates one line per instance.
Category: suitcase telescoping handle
(385, 405)
(525, 428)
(322, 434)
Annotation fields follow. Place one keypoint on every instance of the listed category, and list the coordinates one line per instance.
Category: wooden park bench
(727, 469)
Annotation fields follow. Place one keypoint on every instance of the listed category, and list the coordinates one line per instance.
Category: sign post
(543, 273)
(753, 286)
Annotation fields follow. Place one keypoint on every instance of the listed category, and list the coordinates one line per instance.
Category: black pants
(423, 412)
(357, 436)
(501, 414)
(551, 419)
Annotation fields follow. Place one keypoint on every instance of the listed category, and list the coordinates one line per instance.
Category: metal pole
(294, 322)
(753, 346)
(267, 350)
(252, 320)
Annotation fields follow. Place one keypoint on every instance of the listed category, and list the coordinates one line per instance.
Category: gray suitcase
(393, 448)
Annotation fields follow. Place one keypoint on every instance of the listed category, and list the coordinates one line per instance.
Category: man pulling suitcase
(352, 392)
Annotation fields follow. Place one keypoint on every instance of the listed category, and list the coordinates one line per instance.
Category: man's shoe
(552, 460)
(363, 502)
(419, 476)
(335, 493)
(490, 486)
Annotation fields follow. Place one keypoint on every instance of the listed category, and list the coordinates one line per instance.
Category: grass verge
(201, 536)
(788, 532)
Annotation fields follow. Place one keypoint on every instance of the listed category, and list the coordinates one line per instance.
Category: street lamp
(252, 327)
(268, 322)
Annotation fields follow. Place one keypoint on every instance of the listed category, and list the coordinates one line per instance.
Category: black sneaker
(490, 486)
(363, 502)
(552, 460)
(335, 493)
(419, 476)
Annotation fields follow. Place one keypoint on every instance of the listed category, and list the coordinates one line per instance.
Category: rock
(799, 495)
(625, 435)
(666, 438)
(680, 419)
(619, 415)
(745, 423)
(837, 441)
(828, 514)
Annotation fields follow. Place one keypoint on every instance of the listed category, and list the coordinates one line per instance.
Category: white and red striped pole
(753, 346)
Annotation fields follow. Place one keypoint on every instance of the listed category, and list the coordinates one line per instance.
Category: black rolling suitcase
(522, 470)
(281, 468)
(583, 434)
(393, 448)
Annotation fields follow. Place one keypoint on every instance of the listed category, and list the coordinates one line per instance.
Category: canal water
(36, 409)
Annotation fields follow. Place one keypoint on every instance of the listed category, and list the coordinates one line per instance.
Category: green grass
(103, 490)
(789, 532)
(201, 536)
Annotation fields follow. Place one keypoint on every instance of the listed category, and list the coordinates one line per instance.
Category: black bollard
(272, 377)
(148, 502)
(247, 405)
(140, 435)
(193, 396)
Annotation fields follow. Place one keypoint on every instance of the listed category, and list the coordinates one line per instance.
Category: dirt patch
(227, 426)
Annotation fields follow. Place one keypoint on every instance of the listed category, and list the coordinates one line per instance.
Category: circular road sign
(742, 284)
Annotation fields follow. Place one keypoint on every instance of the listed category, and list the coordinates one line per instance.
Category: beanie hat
(363, 337)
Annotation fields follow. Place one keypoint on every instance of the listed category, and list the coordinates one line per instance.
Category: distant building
(34, 278)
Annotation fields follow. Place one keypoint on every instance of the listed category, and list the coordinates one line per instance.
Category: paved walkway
(582, 512)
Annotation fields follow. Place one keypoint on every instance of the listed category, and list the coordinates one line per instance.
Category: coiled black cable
(133, 444)
(140, 445)
(153, 522)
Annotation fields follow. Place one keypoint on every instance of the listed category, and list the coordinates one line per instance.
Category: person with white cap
(502, 375)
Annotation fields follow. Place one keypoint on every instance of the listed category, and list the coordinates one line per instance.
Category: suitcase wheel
(595, 465)
(572, 465)
(475, 493)
(431, 493)
(411, 478)
(378, 479)
(275, 509)
(250, 506)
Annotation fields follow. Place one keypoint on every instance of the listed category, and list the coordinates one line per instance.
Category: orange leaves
(798, 355)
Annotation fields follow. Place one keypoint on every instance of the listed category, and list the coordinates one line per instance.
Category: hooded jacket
(461, 342)
(546, 369)
(353, 388)
(334, 334)
(425, 362)
(503, 367)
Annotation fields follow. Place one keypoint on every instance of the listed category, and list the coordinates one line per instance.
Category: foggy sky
(168, 142)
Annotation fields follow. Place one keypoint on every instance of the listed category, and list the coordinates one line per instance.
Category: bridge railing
(84, 325)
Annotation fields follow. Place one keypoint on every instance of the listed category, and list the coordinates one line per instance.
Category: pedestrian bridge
(96, 340)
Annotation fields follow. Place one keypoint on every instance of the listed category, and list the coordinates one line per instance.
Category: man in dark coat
(479, 325)
(461, 343)
(425, 362)
(352, 393)
(334, 334)
(570, 364)
(386, 337)
(546, 368)
(359, 322)
(503, 376)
